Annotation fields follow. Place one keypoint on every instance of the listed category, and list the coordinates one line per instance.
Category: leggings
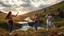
(10, 25)
(36, 24)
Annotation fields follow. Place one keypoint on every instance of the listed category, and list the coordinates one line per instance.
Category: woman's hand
(17, 14)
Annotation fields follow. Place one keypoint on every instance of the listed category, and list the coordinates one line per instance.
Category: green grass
(31, 32)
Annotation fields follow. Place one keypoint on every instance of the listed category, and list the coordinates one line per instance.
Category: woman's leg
(50, 24)
(47, 23)
(10, 26)
(53, 25)
(36, 27)
(10, 29)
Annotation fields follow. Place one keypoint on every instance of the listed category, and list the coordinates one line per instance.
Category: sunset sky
(25, 5)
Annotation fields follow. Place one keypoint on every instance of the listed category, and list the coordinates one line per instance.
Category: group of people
(35, 17)
(48, 21)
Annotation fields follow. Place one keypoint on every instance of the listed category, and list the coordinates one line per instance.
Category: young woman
(36, 20)
(49, 20)
(10, 20)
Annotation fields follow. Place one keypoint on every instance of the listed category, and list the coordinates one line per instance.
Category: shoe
(10, 34)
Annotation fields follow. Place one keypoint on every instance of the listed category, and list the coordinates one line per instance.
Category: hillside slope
(52, 8)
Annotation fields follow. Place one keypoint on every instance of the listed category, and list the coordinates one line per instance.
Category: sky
(25, 5)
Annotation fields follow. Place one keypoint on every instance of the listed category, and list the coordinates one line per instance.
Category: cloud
(4, 5)
(24, 5)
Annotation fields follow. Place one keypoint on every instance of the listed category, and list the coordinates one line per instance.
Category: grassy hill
(52, 9)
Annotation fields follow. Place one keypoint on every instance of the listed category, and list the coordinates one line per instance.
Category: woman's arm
(15, 15)
(46, 15)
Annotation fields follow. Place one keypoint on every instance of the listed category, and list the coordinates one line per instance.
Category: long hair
(58, 9)
(36, 14)
(8, 15)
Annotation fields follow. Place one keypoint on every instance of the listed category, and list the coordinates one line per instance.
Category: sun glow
(14, 13)
(20, 13)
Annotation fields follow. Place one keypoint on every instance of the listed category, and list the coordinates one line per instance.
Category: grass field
(30, 32)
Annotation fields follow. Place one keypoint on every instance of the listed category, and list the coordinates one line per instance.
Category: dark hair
(8, 15)
(58, 9)
(36, 14)
(49, 14)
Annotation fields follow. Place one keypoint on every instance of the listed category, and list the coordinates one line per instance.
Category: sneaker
(10, 34)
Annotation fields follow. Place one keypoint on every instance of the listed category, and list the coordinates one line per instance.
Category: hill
(52, 9)
(2, 16)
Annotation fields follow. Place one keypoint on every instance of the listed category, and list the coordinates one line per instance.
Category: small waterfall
(25, 24)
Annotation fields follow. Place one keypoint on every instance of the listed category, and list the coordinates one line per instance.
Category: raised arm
(15, 15)
(46, 15)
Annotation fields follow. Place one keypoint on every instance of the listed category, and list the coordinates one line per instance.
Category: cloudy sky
(25, 5)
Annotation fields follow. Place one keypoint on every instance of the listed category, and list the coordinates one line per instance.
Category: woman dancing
(10, 20)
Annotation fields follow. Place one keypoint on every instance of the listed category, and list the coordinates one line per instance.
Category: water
(25, 25)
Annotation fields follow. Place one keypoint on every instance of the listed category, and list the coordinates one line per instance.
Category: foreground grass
(3, 32)
(31, 32)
